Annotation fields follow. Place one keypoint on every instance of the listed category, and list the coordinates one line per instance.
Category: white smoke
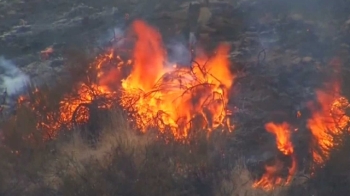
(179, 53)
(179, 49)
(118, 36)
(12, 78)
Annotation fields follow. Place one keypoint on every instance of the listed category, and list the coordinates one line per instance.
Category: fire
(169, 97)
(85, 95)
(149, 57)
(327, 122)
(272, 176)
(180, 100)
(298, 114)
(155, 94)
(74, 107)
(282, 133)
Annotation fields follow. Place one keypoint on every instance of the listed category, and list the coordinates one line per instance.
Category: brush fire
(327, 122)
(271, 178)
(181, 99)
(157, 96)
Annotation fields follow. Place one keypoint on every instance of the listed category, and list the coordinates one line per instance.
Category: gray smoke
(114, 36)
(179, 53)
(12, 78)
(178, 50)
(118, 35)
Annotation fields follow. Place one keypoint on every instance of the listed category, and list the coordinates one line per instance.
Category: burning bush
(58, 112)
(326, 123)
(171, 97)
(329, 118)
(155, 95)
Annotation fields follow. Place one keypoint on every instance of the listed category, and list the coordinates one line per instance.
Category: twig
(74, 116)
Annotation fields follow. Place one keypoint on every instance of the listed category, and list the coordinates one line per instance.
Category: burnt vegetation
(99, 149)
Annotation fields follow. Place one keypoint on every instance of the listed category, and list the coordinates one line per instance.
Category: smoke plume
(12, 78)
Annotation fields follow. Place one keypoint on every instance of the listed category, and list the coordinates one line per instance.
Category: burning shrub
(153, 94)
(157, 95)
(335, 172)
(333, 177)
(61, 109)
(327, 122)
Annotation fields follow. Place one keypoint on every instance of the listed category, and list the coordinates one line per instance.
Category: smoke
(112, 34)
(12, 78)
(118, 34)
(177, 48)
(178, 53)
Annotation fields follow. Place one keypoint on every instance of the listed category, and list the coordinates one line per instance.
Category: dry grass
(125, 162)
(240, 183)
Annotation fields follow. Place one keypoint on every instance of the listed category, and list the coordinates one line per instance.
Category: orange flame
(51, 121)
(272, 176)
(282, 133)
(330, 120)
(154, 94)
(149, 57)
(171, 97)
(327, 122)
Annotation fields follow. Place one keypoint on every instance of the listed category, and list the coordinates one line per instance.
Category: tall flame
(282, 133)
(272, 176)
(329, 120)
(155, 95)
(170, 97)
(149, 57)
